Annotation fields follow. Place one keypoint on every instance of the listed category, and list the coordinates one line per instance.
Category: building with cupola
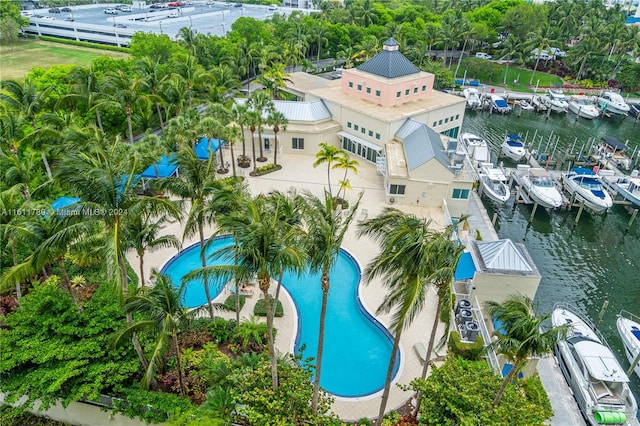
(385, 112)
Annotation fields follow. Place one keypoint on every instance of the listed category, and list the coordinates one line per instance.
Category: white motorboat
(499, 105)
(477, 149)
(513, 147)
(538, 104)
(494, 184)
(585, 185)
(629, 329)
(627, 187)
(537, 183)
(614, 103)
(525, 106)
(612, 150)
(583, 108)
(634, 110)
(598, 381)
(473, 98)
(556, 100)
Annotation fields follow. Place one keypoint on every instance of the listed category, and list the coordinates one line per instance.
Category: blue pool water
(356, 347)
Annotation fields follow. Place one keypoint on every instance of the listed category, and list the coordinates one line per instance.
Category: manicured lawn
(491, 73)
(35, 53)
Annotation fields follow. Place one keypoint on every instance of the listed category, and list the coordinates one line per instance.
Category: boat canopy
(514, 137)
(614, 143)
(583, 171)
(600, 362)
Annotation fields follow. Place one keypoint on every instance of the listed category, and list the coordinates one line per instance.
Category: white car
(124, 8)
(110, 11)
(173, 14)
(482, 55)
(272, 7)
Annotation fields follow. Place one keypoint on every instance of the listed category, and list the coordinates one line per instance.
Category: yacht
(525, 106)
(612, 150)
(585, 185)
(556, 100)
(612, 102)
(538, 103)
(598, 381)
(628, 326)
(499, 105)
(537, 183)
(583, 108)
(473, 98)
(494, 184)
(513, 147)
(628, 187)
(477, 148)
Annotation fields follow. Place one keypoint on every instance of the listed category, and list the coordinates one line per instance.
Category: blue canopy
(161, 169)
(465, 268)
(63, 202)
(584, 171)
(202, 148)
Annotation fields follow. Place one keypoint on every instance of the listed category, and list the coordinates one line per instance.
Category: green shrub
(230, 302)
(261, 308)
(469, 351)
(267, 168)
(84, 44)
(364, 422)
(221, 329)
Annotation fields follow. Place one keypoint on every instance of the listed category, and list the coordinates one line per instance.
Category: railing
(492, 358)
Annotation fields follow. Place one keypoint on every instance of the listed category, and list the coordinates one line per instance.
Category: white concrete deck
(298, 172)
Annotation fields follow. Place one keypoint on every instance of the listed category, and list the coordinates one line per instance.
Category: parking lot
(206, 17)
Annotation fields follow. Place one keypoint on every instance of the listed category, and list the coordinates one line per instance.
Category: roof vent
(402, 163)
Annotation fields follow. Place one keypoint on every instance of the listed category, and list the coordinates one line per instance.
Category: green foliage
(260, 308)
(84, 44)
(444, 76)
(230, 302)
(252, 335)
(629, 76)
(53, 351)
(460, 392)
(221, 329)
(152, 407)
(10, 416)
(469, 351)
(267, 168)
(158, 47)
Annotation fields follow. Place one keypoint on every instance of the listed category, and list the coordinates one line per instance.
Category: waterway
(586, 263)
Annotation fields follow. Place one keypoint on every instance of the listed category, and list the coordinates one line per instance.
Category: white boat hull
(498, 192)
(515, 153)
(549, 198)
(584, 111)
(629, 331)
(598, 202)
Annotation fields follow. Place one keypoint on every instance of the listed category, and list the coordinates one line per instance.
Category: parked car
(123, 8)
(65, 9)
(336, 76)
(27, 13)
(54, 10)
(120, 25)
(175, 4)
(272, 7)
(543, 55)
(110, 11)
(173, 14)
(558, 53)
(482, 55)
(158, 6)
(237, 5)
(69, 19)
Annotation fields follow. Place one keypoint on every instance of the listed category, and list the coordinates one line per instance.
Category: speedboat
(614, 103)
(634, 110)
(612, 150)
(499, 105)
(493, 183)
(625, 186)
(513, 147)
(538, 104)
(473, 98)
(525, 106)
(583, 108)
(476, 148)
(537, 183)
(598, 381)
(585, 185)
(629, 329)
(556, 100)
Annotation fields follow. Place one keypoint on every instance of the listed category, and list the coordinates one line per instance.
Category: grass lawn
(491, 73)
(35, 53)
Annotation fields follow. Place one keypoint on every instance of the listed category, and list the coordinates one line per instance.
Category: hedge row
(261, 308)
(84, 44)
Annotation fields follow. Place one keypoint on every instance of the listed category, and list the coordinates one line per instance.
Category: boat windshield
(542, 182)
(513, 143)
(591, 184)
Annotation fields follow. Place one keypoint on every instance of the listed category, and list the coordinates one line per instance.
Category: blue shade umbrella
(163, 168)
(465, 268)
(202, 148)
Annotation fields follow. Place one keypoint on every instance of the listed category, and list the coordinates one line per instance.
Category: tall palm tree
(510, 49)
(153, 75)
(279, 122)
(327, 154)
(239, 113)
(523, 337)
(326, 228)
(231, 134)
(252, 120)
(85, 87)
(182, 131)
(542, 39)
(163, 316)
(261, 103)
(195, 183)
(125, 92)
(345, 162)
(318, 35)
(403, 264)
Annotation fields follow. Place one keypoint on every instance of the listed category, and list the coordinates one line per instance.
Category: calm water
(583, 264)
(356, 347)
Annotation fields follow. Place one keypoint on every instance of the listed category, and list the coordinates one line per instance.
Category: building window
(461, 194)
(359, 87)
(424, 88)
(439, 122)
(398, 94)
(452, 132)
(406, 92)
(396, 189)
(457, 116)
(363, 130)
(377, 93)
(415, 89)
(297, 143)
(369, 90)
(378, 136)
(348, 124)
(371, 133)
(435, 123)
(351, 85)
(356, 127)
(446, 120)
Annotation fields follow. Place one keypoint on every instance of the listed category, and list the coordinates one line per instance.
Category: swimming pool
(356, 347)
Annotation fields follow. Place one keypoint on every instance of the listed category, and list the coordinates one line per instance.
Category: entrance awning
(360, 141)
(465, 269)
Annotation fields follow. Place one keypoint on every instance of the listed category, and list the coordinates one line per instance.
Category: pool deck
(298, 172)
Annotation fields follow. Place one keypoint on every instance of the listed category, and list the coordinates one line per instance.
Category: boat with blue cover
(513, 147)
(628, 326)
(585, 185)
(499, 105)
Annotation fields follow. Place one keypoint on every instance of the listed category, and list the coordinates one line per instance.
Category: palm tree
(327, 154)
(523, 337)
(231, 134)
(511, 51)
(239, 113)
(318, 35)
(279, 122)
(163, 316)
(326, 228)
(260, 102)
(252, 120)
(196, 184)
(345, 162)
(404, 266)
(153, 76)
(542, 39)
(125, 91)
(212, 128)
(182, 131)
(85, 87)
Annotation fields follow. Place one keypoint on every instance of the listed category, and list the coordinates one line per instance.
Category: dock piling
(633, 218)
